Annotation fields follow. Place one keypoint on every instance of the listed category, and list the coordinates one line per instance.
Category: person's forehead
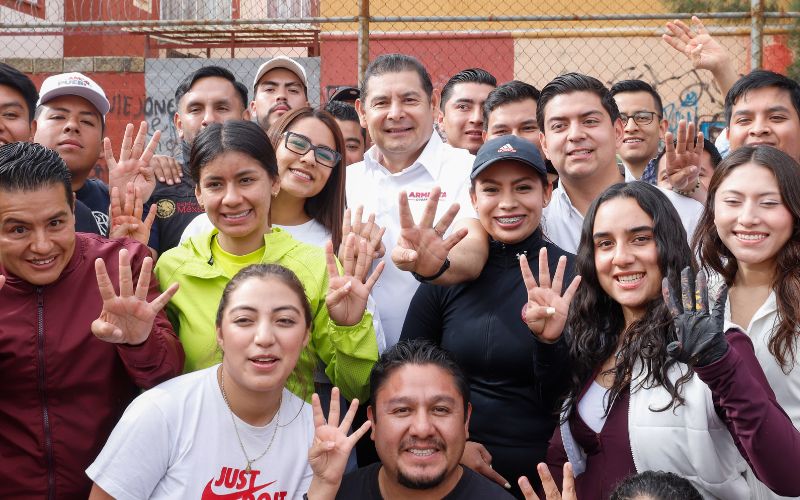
(210, 88)
(11, 95)
(471, 90)
(764, 97)
(516, 110)
(635, 101)
(396, 82)
(72, 104)
(577, 103)
(419, 383)
(16, 203)
(280, 76)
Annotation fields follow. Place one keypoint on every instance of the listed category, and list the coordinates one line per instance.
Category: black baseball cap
(508, 147)
(345, 94)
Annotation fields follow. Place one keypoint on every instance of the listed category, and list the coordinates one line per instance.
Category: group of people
(537, 293)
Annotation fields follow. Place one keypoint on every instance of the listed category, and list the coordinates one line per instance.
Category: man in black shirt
(419, 409)
(70, 118)
(209, 95)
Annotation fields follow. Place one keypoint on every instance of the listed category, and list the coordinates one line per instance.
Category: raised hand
(549, 485)
(368, 230)
(477, 457)
(166, 169)
(700, 335)
(545, 313)
(332, 446)
(126, 217)
(127, 318)
(702, 50)
(683, 157)
(422, 248)
(2, 281)
(348, 293)
(134, 160)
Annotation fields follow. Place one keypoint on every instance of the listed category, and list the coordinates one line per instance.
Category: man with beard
(280, 85)
(419, 410)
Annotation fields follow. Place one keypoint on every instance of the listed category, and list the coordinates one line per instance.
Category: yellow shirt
(230, 263)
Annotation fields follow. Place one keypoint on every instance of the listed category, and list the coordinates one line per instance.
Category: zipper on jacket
(48, 440)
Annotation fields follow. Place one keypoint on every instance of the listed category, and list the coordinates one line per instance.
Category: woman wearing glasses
(235, 169)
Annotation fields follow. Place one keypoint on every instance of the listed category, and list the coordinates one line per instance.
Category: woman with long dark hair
(750, 235)
(656, 386)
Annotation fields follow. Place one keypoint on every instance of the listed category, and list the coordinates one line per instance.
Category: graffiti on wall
(687, 95)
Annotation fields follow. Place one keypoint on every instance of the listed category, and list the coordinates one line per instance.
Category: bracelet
(426, 279)
(689, 193)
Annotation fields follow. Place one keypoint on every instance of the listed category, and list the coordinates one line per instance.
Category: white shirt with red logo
(372, 185)
(177, 441)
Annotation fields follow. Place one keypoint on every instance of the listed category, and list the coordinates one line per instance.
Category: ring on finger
(439, 232)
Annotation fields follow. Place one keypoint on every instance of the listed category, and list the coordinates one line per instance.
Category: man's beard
(420, 484)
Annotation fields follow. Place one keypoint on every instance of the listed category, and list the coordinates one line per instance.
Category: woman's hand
(348, 293)
(545, 313)
(127, 318)
(332, 446)
(701, 336)
(683, 160)
(478, 458)
(368, 230)
(126, 217)
(550, 488)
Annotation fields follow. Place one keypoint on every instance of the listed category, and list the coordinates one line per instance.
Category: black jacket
(480, 323)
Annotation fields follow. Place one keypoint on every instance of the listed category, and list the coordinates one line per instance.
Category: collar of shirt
(648, 175)
(430, 158)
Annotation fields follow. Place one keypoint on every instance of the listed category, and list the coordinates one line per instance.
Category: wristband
(690, 192)
(426, 279)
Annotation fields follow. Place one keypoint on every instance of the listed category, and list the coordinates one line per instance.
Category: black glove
(701, 336)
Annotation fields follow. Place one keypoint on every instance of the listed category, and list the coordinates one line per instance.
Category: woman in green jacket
(235, 171)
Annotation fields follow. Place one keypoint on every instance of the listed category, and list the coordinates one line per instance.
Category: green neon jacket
(348, 352)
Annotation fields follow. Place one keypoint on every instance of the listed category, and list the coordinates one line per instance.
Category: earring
(274, 194)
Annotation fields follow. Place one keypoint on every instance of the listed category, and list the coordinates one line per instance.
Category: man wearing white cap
(280, 85)
(70, 118)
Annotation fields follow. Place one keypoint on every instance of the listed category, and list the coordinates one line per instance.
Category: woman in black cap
(513, 412)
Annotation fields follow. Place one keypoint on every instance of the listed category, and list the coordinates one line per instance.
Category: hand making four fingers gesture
(127, 318)
(348, 293)
(331, 446)
(545, 313)
(422, 248)
(369, 230)
(134, 160)
(683, 154)
(126, 215)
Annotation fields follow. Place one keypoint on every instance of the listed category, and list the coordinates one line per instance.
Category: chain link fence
(138, 50)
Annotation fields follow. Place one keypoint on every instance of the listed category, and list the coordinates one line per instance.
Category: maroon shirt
(763, 433)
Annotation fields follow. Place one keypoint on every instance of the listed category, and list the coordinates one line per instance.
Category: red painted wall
(443, 57)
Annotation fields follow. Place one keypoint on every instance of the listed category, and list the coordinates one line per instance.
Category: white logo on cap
(508, 148)
(74, 80)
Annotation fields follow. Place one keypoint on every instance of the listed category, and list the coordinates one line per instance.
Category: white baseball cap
(285, 63)
(74, 84)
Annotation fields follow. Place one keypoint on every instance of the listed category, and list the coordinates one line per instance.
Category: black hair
(656, 485)
(346, 112)
(28, 166)
(395, 63)
(575, 82)
(513, 91)
(206, 72)
(19, 81)
(471, 75)
(233, 135)
(417, 352)
(638, 86)
(759, 79)
(596, 320)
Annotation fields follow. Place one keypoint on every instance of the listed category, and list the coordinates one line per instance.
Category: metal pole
(363, 38)
(756, 33)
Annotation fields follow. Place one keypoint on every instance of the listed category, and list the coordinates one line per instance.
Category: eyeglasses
(640, 117)
(300, 144)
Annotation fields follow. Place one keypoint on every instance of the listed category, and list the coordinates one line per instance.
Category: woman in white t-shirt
(233, 428)
(750, 235)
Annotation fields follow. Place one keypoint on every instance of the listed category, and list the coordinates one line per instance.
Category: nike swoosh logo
(208, 493)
